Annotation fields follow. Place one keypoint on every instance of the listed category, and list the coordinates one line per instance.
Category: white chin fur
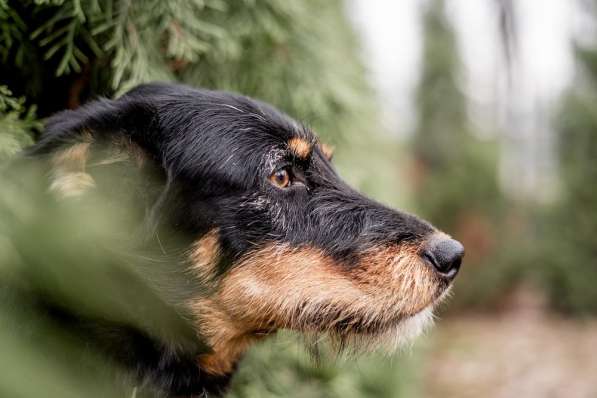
(394, 338)
(406, 331)
(409, 329)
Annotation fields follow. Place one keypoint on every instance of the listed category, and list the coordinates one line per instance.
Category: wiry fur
(315, 256)
(382, 298)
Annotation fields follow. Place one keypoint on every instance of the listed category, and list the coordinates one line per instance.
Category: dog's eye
(280, 178)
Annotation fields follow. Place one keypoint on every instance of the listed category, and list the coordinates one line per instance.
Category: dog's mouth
(303, 289)
(384, 329)
(356, 336)
(383, 302)
(345, 322)
(389, 331)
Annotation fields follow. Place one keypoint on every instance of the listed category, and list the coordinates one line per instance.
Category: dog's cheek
(281, 287)
(204, 256)
(287, 287)
(397, 278)
(289, 216)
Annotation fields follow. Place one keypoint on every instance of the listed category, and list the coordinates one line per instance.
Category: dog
(271, 237)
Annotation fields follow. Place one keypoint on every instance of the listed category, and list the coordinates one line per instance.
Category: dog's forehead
(258, 124)
(231, 135)
(295, 135)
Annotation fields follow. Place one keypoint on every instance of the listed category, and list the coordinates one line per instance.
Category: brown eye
(280, 178)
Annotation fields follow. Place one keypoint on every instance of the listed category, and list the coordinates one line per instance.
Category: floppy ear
(130, 116)
(114, 148)
(101, 133)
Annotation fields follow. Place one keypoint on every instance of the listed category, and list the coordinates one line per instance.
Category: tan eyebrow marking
(300, 147)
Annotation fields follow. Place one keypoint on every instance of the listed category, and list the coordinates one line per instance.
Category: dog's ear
(130, 115)
(99, 134)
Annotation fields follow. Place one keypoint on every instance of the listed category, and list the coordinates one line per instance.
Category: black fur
(214, 152)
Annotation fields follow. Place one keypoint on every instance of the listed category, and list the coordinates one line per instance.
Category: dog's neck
(180, 370)
(227, 339)
(207, 372)
(173, 371)
(179, 374)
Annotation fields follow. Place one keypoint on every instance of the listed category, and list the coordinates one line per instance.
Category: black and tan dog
(275, 239)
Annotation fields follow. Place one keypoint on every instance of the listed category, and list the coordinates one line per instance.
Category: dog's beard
(406, 331)
(388, 341)
(392, 338)
(403, 334)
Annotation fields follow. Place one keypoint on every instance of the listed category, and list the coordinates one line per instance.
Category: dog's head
(276, 238)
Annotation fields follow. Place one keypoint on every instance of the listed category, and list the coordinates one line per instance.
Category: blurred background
(480, 116)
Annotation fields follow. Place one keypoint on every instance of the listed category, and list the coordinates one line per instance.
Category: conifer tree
(568, 252)
(56, 54)
(300, 56)
(455, 174)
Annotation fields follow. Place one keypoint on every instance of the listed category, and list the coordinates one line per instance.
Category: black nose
(445, 255)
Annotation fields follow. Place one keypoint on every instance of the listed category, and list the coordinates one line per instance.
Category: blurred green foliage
(18, 123)
(510, 244)
(300, 56)
(453, 173)
(48, 250)
(568, 228)
(366, 376)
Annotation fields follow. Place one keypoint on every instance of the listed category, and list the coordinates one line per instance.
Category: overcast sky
(391, 38)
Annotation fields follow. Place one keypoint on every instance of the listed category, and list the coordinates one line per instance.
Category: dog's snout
(445, 255)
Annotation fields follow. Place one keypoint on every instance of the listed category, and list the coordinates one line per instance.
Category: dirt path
(522, 354)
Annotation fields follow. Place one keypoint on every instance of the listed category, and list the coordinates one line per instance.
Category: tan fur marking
(303, 289)
(121, 150)
(69, 165)
(225, 356)
(389, 283)
(226, 337)
(400, 274)
(131, 150)
(204, 255)
(300, 147)
(74, 157)
(327, 150)
(72, 184)
(70, 178)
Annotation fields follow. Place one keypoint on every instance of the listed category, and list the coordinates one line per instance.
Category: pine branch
(63, 34)
(17, 124)
(12, 33)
